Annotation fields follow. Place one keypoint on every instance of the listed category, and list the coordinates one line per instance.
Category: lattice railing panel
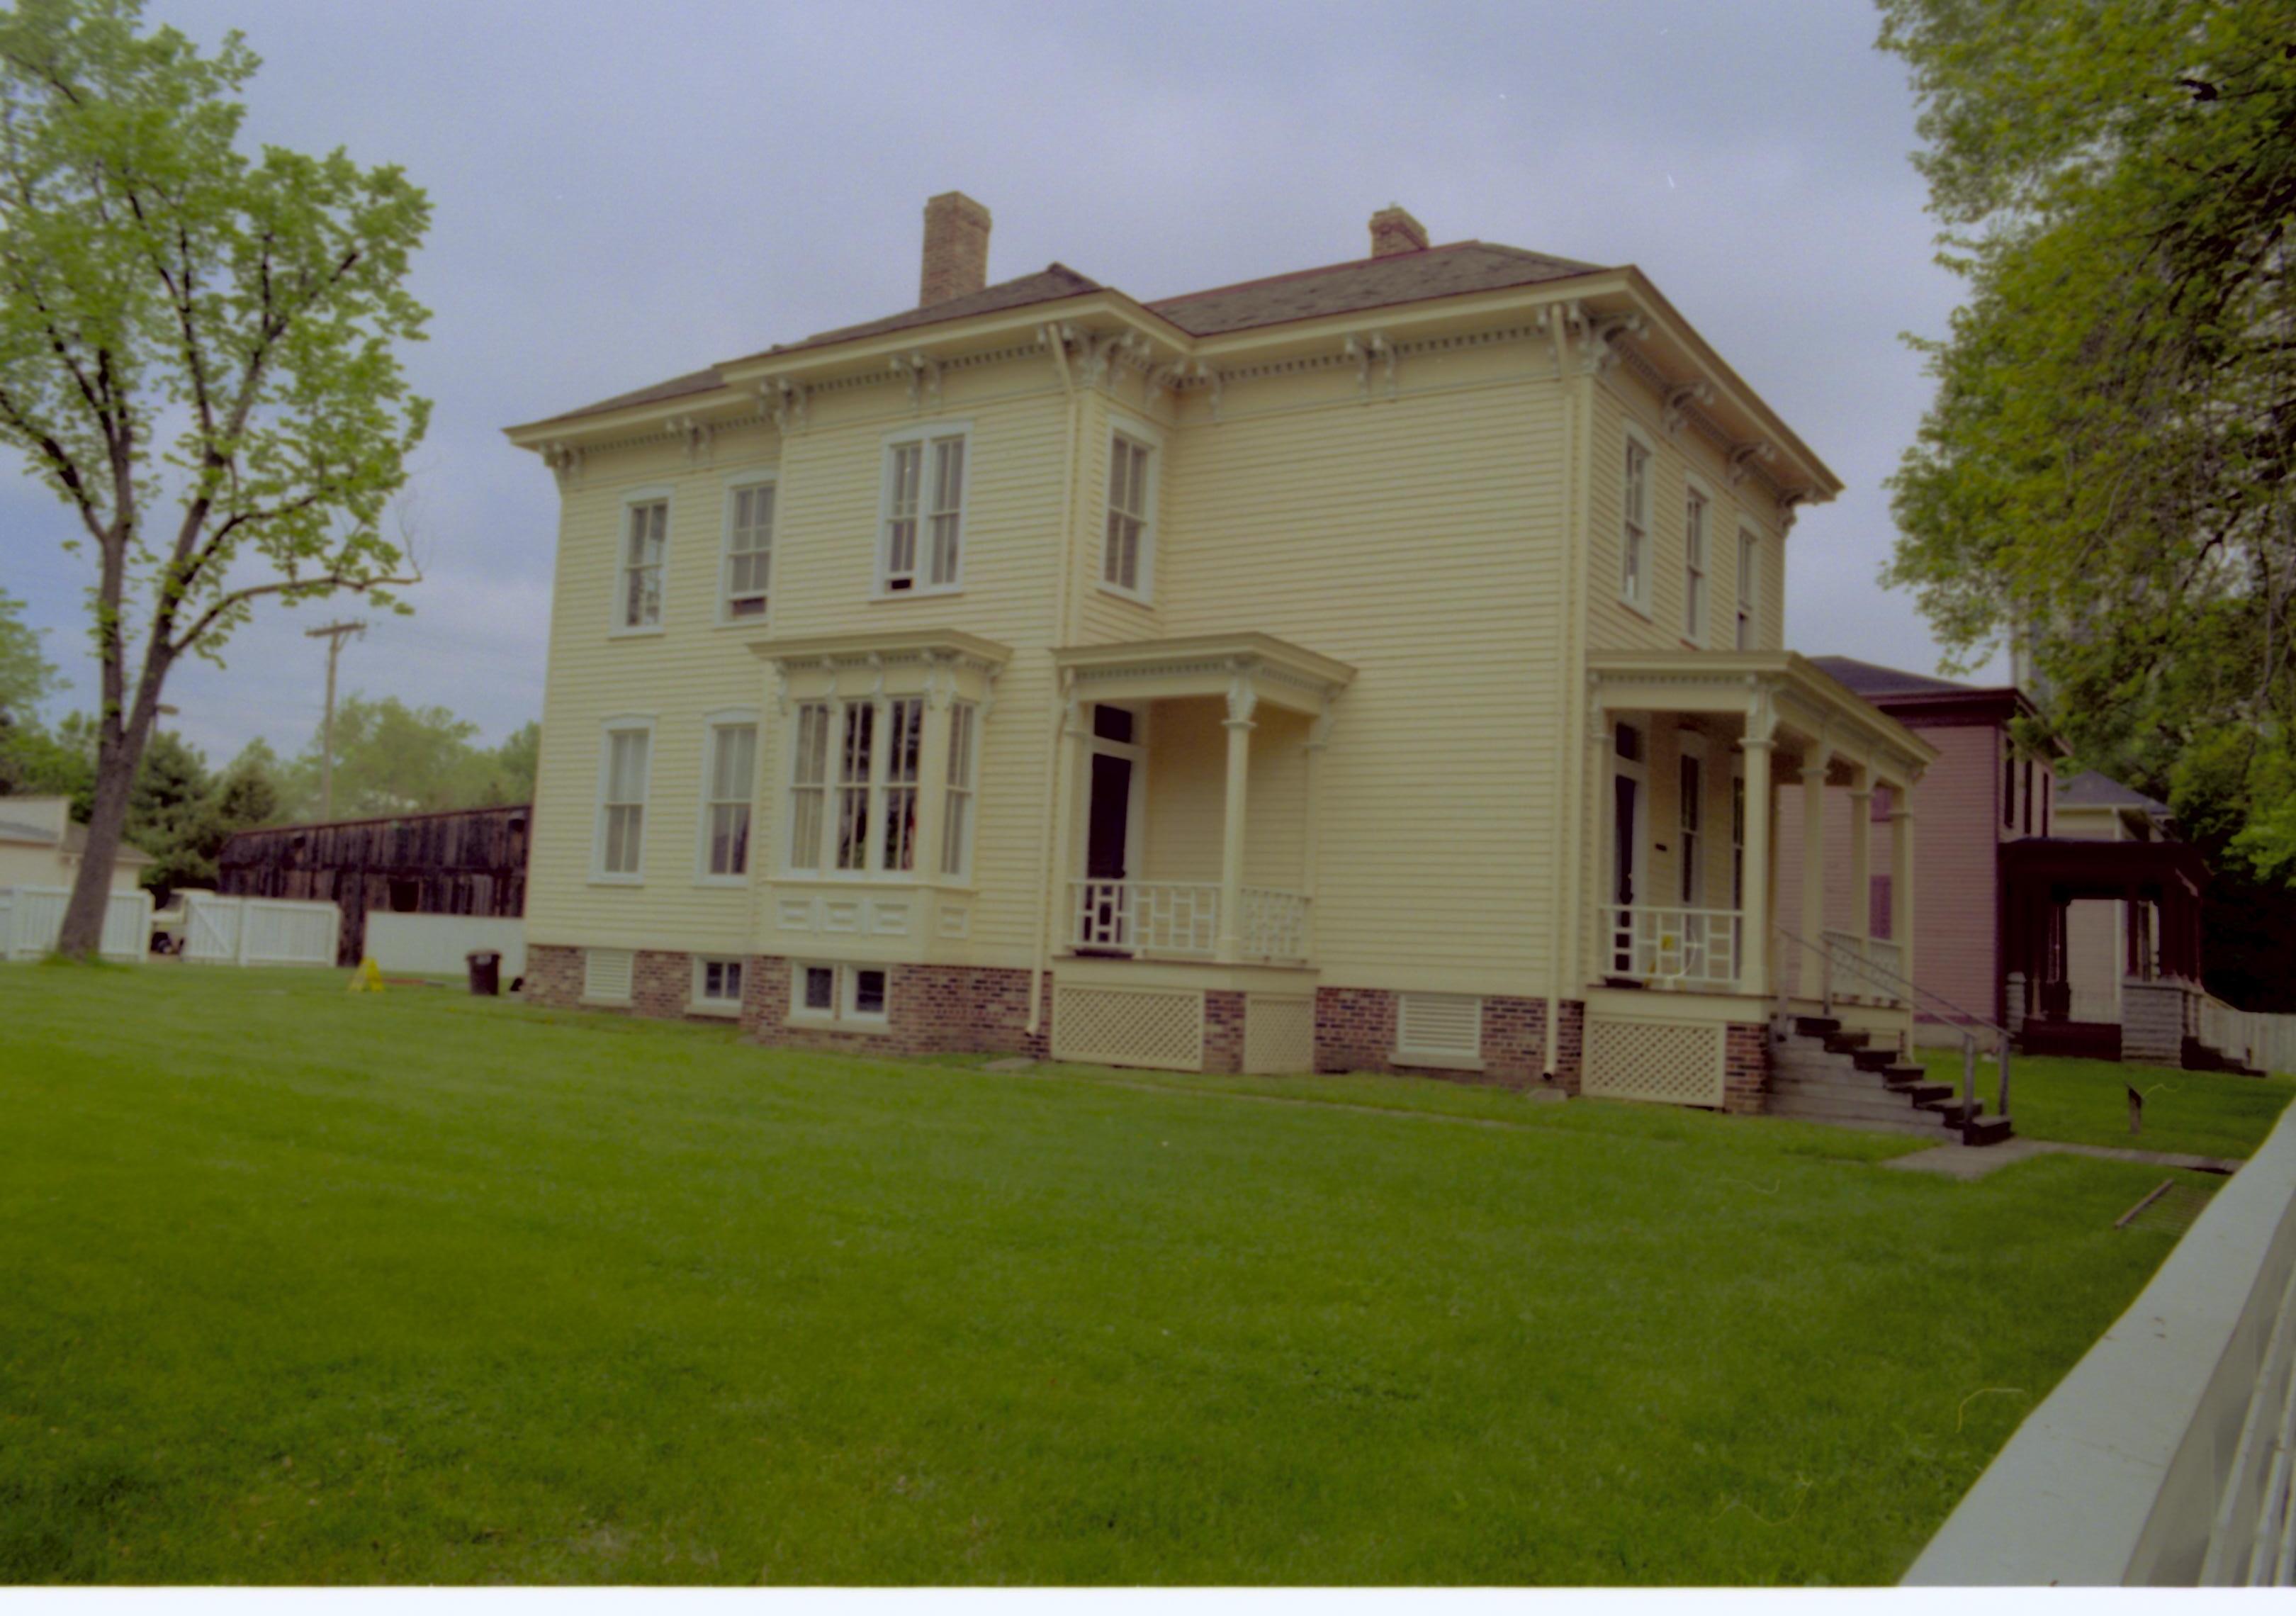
(1675, 1062)
(1129, 1026)
(1279, 1034)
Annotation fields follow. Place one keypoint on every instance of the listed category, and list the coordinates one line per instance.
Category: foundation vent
(1279, 1034)
(606, 975)
(1129, 1026)
(1673, 1062)
(1438, 1030)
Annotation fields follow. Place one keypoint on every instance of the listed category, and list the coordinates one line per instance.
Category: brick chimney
(1394, 231)
(956, 249)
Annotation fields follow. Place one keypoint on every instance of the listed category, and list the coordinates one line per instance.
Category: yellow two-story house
(1373, 668)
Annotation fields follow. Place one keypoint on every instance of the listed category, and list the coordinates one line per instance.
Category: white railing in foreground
(1665, 943)
(2154, 1463)
(1181, 918)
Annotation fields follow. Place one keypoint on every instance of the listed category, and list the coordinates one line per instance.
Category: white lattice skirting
(1162, 1028)
(1675, 1063)
(1279, 1034)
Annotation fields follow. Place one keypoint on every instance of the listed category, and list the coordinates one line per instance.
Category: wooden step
(1953, 1113)
(1870, 1059)
(1844, 1042)
(1906, 1074)
(1989, 1130)
(1815, 1026)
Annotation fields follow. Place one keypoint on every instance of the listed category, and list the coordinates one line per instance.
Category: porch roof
(1780, 687)
(1205, 665)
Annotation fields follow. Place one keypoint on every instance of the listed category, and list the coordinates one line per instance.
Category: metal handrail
(1968, 1020)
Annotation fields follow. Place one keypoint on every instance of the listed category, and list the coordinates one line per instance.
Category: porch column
(1068, 765)
(1901, 877)
(1861, 860)
(1319, 735)
(1809, 970)
(1241, 700)
(1755, 909)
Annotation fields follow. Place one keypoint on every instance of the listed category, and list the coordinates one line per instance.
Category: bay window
(957, 824)
(854, 777)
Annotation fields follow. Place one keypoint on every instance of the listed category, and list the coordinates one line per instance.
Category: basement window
(717, 986)
(838, 996)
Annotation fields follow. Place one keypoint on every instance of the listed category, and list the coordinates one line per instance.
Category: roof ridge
(1301, 275)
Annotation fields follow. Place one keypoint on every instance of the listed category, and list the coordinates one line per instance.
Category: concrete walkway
(1965, 1161)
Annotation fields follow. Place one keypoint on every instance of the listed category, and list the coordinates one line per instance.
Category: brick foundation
(1222, 1031)
(1355, 1031)
(554, 975)
(929, 1010)
(1745, 1068)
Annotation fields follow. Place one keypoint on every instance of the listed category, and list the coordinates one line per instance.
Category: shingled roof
(1870, 679)
(1348, 288)
(2090, 789)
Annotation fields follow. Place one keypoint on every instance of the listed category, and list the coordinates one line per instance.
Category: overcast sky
(623, 194)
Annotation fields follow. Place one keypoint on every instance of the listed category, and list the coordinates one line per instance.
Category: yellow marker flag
(367, 977)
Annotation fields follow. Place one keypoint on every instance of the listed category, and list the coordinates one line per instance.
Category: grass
(305, 1286)
(2200, 1113)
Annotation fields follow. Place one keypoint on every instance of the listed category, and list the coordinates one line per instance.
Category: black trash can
(485, 972)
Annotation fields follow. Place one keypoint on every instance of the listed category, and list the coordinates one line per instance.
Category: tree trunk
(116, 762)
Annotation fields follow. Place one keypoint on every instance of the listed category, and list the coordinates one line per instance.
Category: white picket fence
(32, 920)
(259, 930)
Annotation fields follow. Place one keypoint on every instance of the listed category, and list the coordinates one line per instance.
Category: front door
(1627, 810)
(1106, 918)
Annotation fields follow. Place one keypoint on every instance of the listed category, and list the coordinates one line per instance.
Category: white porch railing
(1181, 918)
(1845, 951)
(1654, 943)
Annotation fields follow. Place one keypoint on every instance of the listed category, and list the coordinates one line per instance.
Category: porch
(1188, 775)
(1736, 799)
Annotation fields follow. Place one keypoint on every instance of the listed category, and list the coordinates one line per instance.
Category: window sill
(742, 622)
(840, 1023)
(1133, 597)
(846, 878)
(714, 1007)
(723, 883)
(1637, 608)
(938, 591)
(1440, 1061)
(644, 632)
(616, 881)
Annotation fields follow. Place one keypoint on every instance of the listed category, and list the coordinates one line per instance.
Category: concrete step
(1845, 1043)
(1850, 1108)
(1815, 1026)
(1908, 1123)
(1953, 1111)
(1908, 1073)
(1837, 1082)
(1870, 1059)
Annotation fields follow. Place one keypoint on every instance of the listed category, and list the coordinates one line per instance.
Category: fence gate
(211, 928)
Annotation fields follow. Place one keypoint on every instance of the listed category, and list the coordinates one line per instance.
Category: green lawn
(307, 1286)
(2201, 1113)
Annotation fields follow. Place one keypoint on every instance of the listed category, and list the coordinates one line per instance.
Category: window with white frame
(646, 538)
(957, 822)
(1125, 561)
(854, 780)
(808, 786)
(718, 985)
(1634, 536)
(1694, 568)
(748, 549)
(1693, 815)
(1749, 565)
(621, 799)
(839, 995)
(924, 511)
(729, 782)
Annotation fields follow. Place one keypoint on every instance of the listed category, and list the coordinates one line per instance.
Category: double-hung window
(1694, 568)
(748, 549)
(1634, 536)
(839, 994)
(621, 799)
(1749, 563)
(732, 768)
(924, 511)
(646, 538)
(855, 781)
(1125, 559)
(957, 823)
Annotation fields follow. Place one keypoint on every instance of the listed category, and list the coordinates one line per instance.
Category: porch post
(1319, 735)
(1242, 699)
(1068, 756)
(1861, 862)
(1901, 877)
(1807, 968)
(1755, 909)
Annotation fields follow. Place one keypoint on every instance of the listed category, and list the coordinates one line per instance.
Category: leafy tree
(198, 356)
(393, 759)
(27, 676)
(245, 796)
(172, 786)
(37, 761)
(2104, 475)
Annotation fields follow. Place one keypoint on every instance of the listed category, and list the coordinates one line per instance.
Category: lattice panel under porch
(1279, 1034)
(1675, 1063)
(1129, 1026)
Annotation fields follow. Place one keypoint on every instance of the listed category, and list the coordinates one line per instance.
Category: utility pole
(334, 634)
